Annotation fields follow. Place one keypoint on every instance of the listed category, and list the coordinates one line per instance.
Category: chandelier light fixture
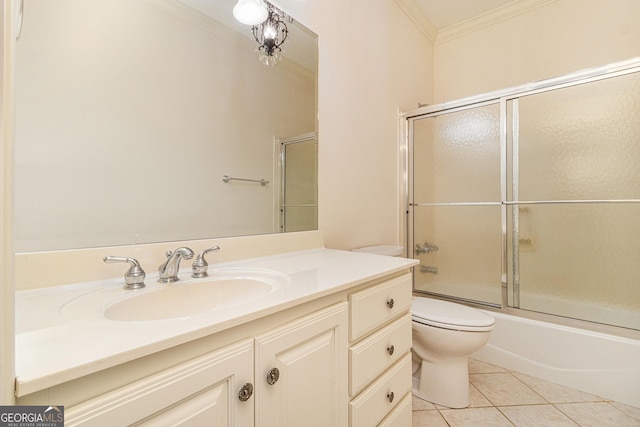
(271, 34)
(268, 27)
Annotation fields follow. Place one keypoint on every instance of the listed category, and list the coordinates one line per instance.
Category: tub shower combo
(526, 201)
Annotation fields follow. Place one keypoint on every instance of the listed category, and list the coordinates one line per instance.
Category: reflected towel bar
(227, 178)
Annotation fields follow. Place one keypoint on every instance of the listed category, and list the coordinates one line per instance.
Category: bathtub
(598, 363)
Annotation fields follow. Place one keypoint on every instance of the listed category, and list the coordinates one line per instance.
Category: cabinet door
(203, 391)
(301, 372)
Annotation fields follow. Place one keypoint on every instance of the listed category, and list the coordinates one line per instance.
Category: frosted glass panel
(300, 218)
(581, 261)
(468, 259)
(457, 156)
(300, 173)
(581, 142)
(299, 208)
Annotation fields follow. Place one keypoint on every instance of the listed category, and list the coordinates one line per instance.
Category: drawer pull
(273, 376)
(390, 303)
(390, 396)
(245, 392)
(390, 350)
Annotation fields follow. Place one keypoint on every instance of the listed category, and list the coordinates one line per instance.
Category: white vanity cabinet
(338, 359)
(379, 354)
(202, 391)
(220, 389)
(301, 372)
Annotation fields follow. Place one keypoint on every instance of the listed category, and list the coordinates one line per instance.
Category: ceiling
(444, 13)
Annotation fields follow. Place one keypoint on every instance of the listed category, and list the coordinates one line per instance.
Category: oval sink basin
(185, 300)
(223, 289)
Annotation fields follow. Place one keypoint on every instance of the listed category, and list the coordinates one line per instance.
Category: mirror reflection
(130, 112)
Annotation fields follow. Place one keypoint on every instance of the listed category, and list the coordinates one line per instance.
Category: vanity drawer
(377, 400)
(375, 306)
(401, 415)
(373, 355)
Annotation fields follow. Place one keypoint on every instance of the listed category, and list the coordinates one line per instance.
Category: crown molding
(413, 11)
(508, 11)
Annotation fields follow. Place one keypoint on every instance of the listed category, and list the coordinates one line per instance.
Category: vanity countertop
(52, 348)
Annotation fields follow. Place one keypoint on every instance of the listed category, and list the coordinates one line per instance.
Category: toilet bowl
(444, 336)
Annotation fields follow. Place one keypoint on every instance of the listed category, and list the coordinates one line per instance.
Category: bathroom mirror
(130, 112)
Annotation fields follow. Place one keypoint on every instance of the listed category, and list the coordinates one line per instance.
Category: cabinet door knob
(273, 375)
(390, 350)
(245, 392)
(390, 303)
(390, 396)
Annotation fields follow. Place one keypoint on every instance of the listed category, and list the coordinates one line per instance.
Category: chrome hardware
(134, 276)
(390, 350)
(227, 178)
(245, 392)
(390, 396)
(200, 265)
(169, 270)
(390, 303)
(426, 248)
(428, 269)
(273, 375)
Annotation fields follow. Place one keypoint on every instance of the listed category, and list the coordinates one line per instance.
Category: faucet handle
(134, 276)
(200, 265)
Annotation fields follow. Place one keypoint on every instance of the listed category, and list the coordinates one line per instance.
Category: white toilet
(444, 335)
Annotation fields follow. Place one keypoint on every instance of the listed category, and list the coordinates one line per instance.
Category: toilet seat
(448, 315)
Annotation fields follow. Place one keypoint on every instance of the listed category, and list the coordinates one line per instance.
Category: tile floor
(505, 398)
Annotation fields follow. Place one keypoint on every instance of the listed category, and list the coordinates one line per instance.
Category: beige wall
(558, 38)
(372, 60)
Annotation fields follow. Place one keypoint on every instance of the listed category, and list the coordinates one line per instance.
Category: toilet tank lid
(449, 313)
(389, 250)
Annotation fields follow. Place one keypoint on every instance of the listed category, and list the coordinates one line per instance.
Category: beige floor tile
(428, 419)
(536, 416)
(503, 389)
(523, 401)
(421, 405)
(555, 393)
(477, 399)
(597, 414)
(475, 417)
(478, 367)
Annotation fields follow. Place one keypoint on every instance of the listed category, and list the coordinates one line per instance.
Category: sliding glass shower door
(575, 187)
(456, 210)
(531, 199)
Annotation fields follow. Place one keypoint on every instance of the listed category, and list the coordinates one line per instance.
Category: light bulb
(250, 12)
(270, 31)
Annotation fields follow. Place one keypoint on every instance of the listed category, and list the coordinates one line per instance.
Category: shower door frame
(280, 145)
(502, 97)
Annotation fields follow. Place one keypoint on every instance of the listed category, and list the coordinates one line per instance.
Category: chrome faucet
(169, 270)
(134, 277)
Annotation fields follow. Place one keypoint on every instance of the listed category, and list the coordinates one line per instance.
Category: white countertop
(52, 348)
